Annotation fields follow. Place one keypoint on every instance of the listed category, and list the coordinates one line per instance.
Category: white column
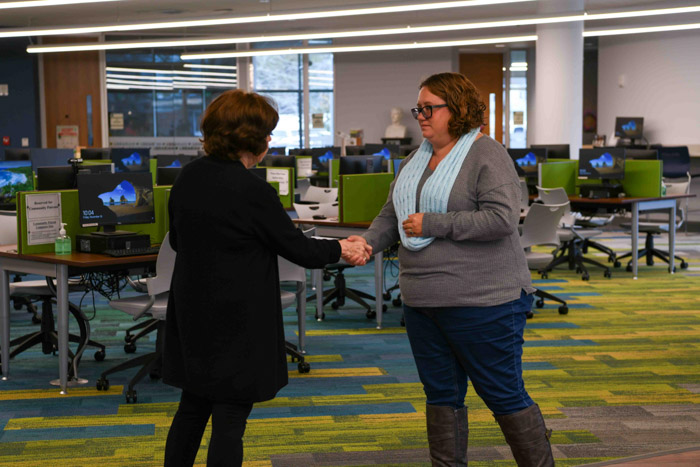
(559, 82)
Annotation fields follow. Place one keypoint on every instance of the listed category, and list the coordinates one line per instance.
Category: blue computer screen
(601, 163)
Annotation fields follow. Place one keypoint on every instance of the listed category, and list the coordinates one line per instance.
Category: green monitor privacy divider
(559, 174)
(642, 178)
(70, 215)
(284, 176)
(362, 196)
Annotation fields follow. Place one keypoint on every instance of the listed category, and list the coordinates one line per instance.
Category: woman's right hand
(355, 252)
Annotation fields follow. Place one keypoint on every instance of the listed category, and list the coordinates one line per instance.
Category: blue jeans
(452, 345)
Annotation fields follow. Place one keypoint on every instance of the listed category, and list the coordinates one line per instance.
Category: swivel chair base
(146, 327)
(573, 255)
(340, 292)
(48, 338)
(542, 295)
(150, 364)
(650, 253)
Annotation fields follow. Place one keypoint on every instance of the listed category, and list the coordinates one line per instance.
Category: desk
(637, 205)
(327, 228)
(60, 267)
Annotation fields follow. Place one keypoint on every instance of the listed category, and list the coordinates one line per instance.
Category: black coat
(224, 332)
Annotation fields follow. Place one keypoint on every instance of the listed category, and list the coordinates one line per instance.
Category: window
(517, 112)
(281, 77)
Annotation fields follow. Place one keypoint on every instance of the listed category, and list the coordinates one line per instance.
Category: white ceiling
(138, 11)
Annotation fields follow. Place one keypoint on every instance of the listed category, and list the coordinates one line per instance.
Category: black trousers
(228, 425)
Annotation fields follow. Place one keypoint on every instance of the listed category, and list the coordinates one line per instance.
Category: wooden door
(69, 78)
(486, 72)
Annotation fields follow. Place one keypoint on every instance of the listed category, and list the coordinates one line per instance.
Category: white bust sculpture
(396, 129)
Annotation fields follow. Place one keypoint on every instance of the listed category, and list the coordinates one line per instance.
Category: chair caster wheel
(539, 303)
(584, 277)
(371, 314)
(684, 265)
(563, 310)
(321, 318)
(544, 275)
(130, 347)
(607, 274)
(335, 305)
(131, 397)
(384, 308)
(529, 314)
(670, 269)
(304, 367)
(617, 264)
(386, 296)
(396, 302)
(326, 277)
(628, 268)
(99, 355)
(102, 384)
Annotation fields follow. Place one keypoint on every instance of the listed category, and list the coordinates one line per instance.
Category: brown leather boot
(527, 437)
(448, 435)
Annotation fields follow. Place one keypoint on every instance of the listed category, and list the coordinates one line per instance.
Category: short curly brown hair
(237, 122)
(462, 99)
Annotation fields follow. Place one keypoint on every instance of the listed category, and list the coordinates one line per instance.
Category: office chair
(574, 241)
(540, 228)
(656, 228)
(154, 304)
(290, 272)
(8, 236)
(45, 290)
(319, 194)
(341, 291)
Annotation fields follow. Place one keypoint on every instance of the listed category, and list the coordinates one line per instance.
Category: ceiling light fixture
(644, 30)
(213, 67)
(357, 48)
(169, 72)
(44, 3)
(253, 19)
(171, 78)
(124, 45)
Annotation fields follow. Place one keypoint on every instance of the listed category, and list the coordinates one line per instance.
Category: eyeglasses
(427, 111)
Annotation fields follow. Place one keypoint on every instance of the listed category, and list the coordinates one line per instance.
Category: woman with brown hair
(224, 340)
(455, 207)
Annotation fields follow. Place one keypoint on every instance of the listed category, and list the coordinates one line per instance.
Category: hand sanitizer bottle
(62, 245)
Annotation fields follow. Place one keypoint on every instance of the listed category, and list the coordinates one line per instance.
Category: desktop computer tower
(99, 243)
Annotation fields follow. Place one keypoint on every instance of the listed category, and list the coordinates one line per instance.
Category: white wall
(660, 75)
(368, 85)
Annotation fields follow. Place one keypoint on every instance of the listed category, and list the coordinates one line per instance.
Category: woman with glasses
(465, 284)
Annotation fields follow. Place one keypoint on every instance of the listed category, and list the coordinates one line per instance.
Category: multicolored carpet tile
(617, 376)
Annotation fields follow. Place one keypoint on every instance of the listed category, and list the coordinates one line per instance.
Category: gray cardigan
(476, 258)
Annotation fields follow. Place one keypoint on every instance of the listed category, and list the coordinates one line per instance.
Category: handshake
(355, 250)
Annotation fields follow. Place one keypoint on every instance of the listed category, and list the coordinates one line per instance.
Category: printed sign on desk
(43, 213)
(281, 176)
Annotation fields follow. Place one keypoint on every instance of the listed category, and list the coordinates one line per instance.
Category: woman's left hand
(413, 226)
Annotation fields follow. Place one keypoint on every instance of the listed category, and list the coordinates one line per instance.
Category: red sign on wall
(5, 140)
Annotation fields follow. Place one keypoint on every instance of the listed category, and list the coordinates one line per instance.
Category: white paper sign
(304, 166)
(43, 213)
(281, 176)
(67, 136)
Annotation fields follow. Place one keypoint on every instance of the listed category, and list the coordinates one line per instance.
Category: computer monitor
(94, 153)
(278, 151)
(179, 160)
(554, 151)
(62, 177)
(360, 165)
(354, 150)
(111, 199)
(278, 161)
(17, 154)
(389, 151)
(130, 159)
(45, 157)
(526, 160)
(15, 176)
(601, 164)
(629, 127)
(167, 175)
(319, 160)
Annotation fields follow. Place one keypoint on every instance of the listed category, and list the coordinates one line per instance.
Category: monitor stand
(600, 190)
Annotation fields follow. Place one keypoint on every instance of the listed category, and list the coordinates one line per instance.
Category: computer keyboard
(151, 250)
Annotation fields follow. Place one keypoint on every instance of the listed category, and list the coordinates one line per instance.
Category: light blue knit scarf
(436, 190)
